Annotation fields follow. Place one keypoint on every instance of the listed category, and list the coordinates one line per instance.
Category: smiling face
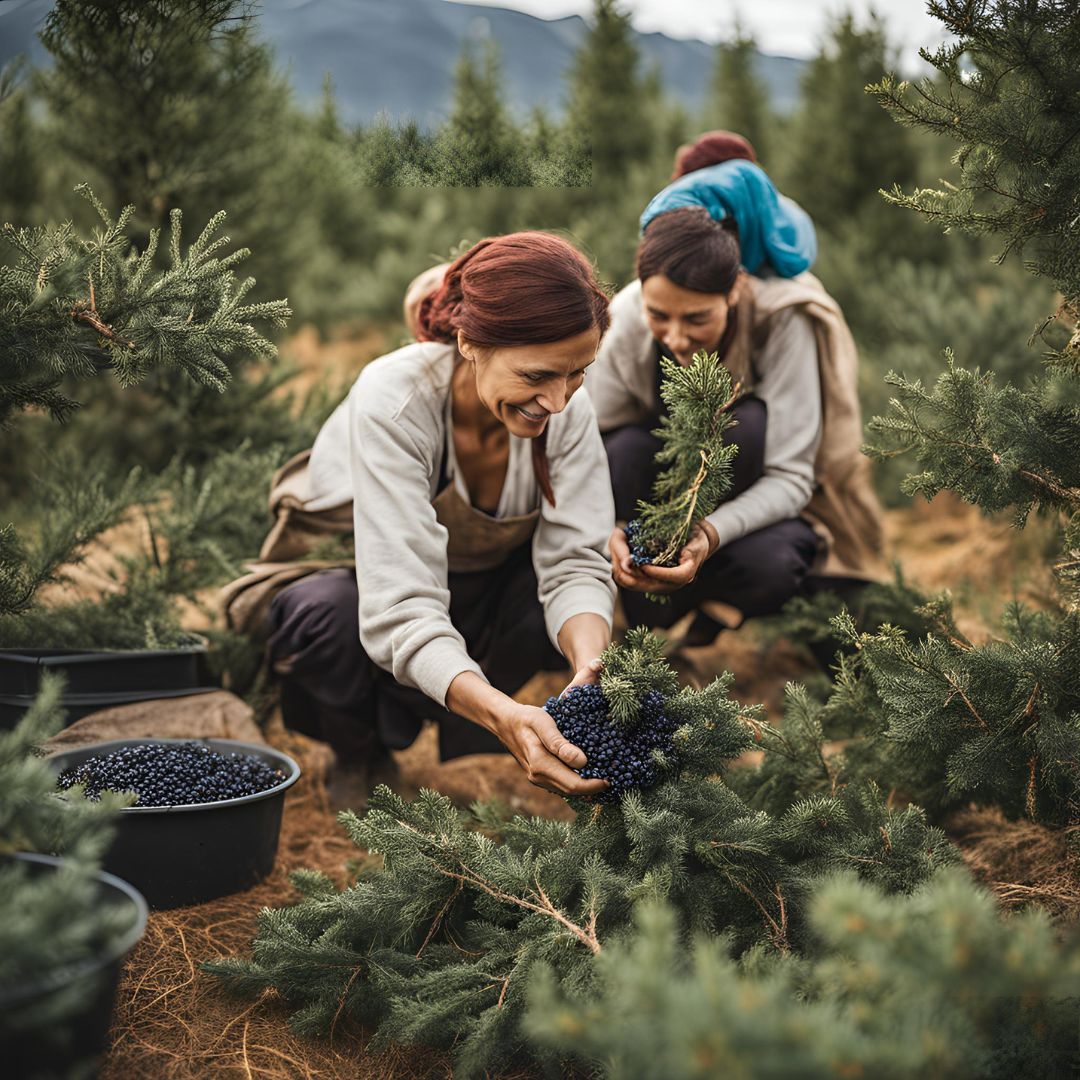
(522, 385)
(684, 321)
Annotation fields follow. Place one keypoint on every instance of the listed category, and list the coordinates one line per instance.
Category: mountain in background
(397, 56)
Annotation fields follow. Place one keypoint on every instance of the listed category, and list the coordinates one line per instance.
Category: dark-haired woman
(481, 511)
(800, 497)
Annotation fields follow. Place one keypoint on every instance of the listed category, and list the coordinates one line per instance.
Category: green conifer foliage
(71, 306)
(480, 145)
(76, 507)
(842, 147)
(30, 818)
(1007, 92)
(927, 713)
(697, 470)
(438, 944)
(998, 721)
(997, 446)
(607, 95)
(935, 983)
(135, 93)
(51, 921)
(20, 155)
(177, 102)
(198, 525)
(739, 99)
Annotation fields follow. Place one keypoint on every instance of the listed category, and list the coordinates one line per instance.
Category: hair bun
(712, 148)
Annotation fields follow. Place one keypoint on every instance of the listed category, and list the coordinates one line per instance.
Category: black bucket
(97, 672)
(81, 995)
(14, 706)
(99, 680)
(180, 855)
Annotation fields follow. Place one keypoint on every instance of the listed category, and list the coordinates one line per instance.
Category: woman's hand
(548, 759)
(527, 732)
(702, 542)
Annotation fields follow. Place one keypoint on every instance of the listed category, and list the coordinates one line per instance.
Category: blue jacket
(773, 229)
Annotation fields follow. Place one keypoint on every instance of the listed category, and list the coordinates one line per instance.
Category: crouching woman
(481, 513)
(801, 497)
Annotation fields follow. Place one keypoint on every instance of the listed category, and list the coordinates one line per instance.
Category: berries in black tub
(172, 774)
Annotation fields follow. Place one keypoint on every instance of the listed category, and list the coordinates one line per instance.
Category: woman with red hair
(480, 509)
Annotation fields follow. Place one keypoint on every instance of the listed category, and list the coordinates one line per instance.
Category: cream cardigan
(382, 450)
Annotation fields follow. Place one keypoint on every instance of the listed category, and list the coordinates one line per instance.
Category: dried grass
(174, 1023)
(1021, 862)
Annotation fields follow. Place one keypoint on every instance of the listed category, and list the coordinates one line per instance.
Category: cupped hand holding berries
(702, 542)
(546, 756)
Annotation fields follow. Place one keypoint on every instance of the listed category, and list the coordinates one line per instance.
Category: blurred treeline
(179, 103)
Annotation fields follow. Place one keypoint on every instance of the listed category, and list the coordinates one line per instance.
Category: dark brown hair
(525, 288)
(691, 249)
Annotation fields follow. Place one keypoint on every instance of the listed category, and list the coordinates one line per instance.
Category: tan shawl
(844, 507)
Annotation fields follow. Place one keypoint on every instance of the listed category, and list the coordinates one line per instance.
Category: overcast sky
(782, 27)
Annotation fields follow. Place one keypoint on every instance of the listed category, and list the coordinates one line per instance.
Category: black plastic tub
(57, 1024)
(99, 680)
(180, 855)
(76, 706)
(125, 670)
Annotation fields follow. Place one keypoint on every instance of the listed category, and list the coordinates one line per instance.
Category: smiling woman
(481, 509)
(722, 268)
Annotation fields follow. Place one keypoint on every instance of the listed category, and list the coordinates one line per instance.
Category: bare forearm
(477, 700)
(583, 638)
(527, 732)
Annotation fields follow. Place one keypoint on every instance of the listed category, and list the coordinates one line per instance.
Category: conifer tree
(20, 155)
(950, 719)
(698, 464)
(378, 154)
(438, 945)
(328, 124)
(135, 94)
(72, 307)
(842, 146)
(606, 106)
(178, 99)
(739, 100)
(480, 145)
(932, 984)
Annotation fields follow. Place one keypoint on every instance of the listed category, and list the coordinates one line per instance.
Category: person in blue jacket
(722, 267)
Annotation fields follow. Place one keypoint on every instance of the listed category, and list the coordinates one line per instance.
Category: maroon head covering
(710, 149)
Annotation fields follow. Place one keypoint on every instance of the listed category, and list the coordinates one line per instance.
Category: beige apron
(478, 541)
(475, 541)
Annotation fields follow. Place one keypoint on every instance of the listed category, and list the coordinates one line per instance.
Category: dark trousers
(759, 572)
(333, 691)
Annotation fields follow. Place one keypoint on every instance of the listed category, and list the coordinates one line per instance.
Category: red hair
(525, 288)
(710, 149)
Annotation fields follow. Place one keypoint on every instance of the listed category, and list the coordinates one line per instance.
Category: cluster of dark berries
(172, 774)
(620, 754)
(639, 554)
